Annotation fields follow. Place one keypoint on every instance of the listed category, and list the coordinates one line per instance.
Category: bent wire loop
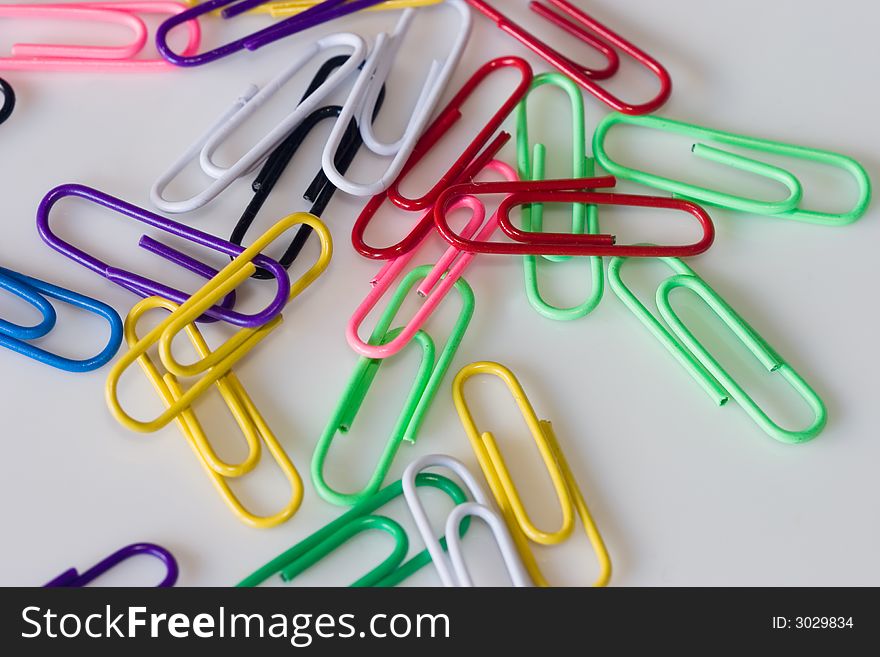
(475, 158)
(476, 149)
(311, 17)
(242, 109)
(561, 191)
(586, 28)
(285, 8)
(65, 57)
(34, 291)
(584, 218)
(436, 286)
(223, 359)
(571, 499)
(453, 570)
(71, 578)
(393, 570)
(788, 208)
(361, 104)
(145, 287)
(247, 417)
(430, 375)
(700, 364)
(8, 94)
(321, 191)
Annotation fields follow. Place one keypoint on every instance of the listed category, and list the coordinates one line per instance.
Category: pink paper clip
(436, 285)
(103, 59)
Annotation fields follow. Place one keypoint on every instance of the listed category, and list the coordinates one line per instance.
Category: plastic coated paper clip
(571, 500)
(393, 570)
(787, 208)
(250, 422)
(109, 59)
(71, 578)
(361, 103)
(245, 106)
(453, 569)
(223, 359)
(577, 23)
(700, 364)
(146, 287)
(34, 291)
(430, 375)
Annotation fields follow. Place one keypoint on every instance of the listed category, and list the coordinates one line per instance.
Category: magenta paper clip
(72, 579)
(321, 13)
(436, 285)
(146, 287)
(64, 57)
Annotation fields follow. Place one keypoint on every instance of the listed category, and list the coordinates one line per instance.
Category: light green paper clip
(428, 379)
(328, 539)
(584, 217)
(700, 364)
(787, 208)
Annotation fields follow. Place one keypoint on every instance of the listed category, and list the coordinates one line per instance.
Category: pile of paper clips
(366, 70)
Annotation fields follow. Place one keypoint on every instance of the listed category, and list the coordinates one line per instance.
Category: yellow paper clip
(506, 495)
(285, 8)
(216, 364)
(247, 417)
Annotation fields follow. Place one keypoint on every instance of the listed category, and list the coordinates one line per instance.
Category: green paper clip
(325, 541)
(583, 218)
(700, 364)
(787, 208)
(428, 379)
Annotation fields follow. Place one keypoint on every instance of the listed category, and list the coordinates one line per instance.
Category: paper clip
(453, 570)
(556, 244)
(700, 364)
(482, 143)
(361, 103)
(248, 418)
(223, 359)
(360, 518)
(584, 218)
(62, 57)
(787, 208)
(428, 379)
(571, 500)
(244, 107)
(321, 190)
(8, 94)
(285, 8)
(15, 337)
(72, 579)
(321, 13)
(475, 158)
(143, 286)
(576, 22)
(436, 286)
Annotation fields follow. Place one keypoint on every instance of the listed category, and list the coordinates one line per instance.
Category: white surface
(683, 492)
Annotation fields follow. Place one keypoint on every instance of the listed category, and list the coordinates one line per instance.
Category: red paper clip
(447, 118)
(572, 23)
(562, 244)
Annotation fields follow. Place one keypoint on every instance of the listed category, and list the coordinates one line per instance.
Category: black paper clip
(321, 190)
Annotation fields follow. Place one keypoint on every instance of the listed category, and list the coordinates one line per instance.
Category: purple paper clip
(72, 579)
(146, 287)
(321, 13)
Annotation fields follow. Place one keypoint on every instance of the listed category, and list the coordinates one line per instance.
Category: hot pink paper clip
(436, 285)
(102, 59)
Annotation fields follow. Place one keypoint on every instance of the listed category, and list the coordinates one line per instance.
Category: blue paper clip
(34, 291)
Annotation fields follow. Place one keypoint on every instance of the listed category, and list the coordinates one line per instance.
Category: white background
(684, 493)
